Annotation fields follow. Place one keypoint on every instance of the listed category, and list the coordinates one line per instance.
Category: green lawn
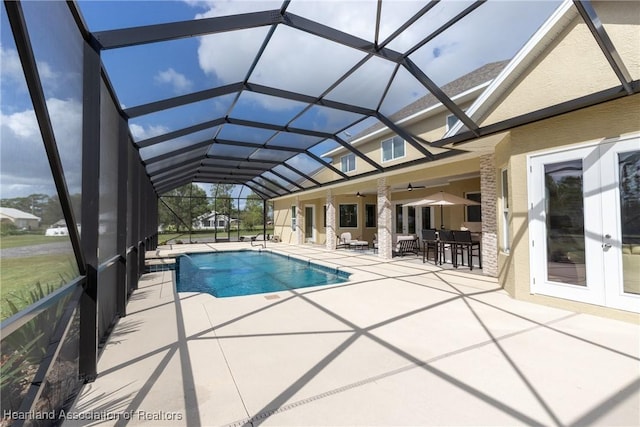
(29, 240)
(164, 237)
(19, 275)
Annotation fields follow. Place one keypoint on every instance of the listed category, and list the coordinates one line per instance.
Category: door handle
(606, 245)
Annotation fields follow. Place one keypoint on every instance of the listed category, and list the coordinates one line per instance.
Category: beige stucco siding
(577, 65)
(621, 20)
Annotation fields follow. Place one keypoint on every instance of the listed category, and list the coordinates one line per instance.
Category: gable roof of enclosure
(289, 84)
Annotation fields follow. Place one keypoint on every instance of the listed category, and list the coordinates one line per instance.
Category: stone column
(385, 243)
(331, 222)
(488, 188)
(298, 233)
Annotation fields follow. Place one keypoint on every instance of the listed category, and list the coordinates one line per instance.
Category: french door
(411, 219)
(309, 226)
(584, 224)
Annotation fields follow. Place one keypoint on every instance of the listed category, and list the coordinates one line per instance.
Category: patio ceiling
(275, 88)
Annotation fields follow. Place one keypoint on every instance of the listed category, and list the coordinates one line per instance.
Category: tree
(179, 208)
(223, 202)
(252, 215)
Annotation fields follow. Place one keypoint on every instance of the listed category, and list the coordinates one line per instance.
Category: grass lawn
(19, 276)
(29, 240)
(164, 237)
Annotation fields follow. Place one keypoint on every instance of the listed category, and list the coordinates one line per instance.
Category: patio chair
(464, 242)
(429, 243)
(343, 240)
(446, 242)
(407, 245)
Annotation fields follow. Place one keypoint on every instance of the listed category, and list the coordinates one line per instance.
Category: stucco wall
(577, 66)
(603, 121)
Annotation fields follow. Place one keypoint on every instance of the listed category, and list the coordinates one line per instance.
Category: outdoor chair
(446, 242)
(407, 245)
(463, 242)
(343, 240)
(429, 244)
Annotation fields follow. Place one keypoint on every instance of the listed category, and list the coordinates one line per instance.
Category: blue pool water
(228, 274)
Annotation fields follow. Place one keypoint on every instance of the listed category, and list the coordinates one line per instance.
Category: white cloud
(140, 132)
(10, 64)
(24, 165)
(179, 82)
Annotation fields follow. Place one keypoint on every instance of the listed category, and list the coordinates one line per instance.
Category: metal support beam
(542, 114)
(112, 39)
(258, 192)
(195, 161)
(340, 37)
(405, 135)
(264, 147)
(409, 22)
(416, 72)
(154, 107)
(121, 239)
(328, 165)
(90, 214)
(302, 174)
(265, 188)
(272, 182)
(286, 179)
(445, 26)
(180, 151)
(180, 132)
(357, 152)
(590, 17)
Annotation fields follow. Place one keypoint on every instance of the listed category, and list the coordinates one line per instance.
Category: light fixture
(358, 194)
(409, 188)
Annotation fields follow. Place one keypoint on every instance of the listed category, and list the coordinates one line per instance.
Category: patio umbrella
(442, 198)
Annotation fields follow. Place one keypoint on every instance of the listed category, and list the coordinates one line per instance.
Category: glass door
(621, 226)
(309, 229)
(583, 224)
(406, 219)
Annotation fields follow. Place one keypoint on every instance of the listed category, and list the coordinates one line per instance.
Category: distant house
(20, 219)
(212, 220)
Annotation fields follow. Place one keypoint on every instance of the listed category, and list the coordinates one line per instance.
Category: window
(474, 213)
(370, 216)
(451, 121)
(293, 218)
(348, 163)
(349, 216)
(324, 217)
(392, 148)
(505, 211)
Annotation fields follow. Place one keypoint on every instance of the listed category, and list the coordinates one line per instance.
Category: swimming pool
(235, 273)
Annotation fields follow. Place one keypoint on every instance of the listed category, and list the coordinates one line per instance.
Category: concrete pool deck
(402, 343)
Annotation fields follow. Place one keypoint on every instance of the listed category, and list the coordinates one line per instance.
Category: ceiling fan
(410, 187)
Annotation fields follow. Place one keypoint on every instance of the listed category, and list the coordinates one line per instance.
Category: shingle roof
(481, 75)
(17, 214)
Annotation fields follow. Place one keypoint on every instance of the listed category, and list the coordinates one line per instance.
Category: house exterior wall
(576, 63)
(611, 119)
(431, 128)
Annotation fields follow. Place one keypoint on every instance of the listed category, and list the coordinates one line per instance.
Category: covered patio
(402, 343)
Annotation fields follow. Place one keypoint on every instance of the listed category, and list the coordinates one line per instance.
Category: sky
(293, 61)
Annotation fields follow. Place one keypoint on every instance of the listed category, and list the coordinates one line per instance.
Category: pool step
(159, 264)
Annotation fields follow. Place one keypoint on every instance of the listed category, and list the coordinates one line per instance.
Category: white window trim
(348, 204)
(294, 217)
(350, 155)
(393, 157)
(504, 202)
